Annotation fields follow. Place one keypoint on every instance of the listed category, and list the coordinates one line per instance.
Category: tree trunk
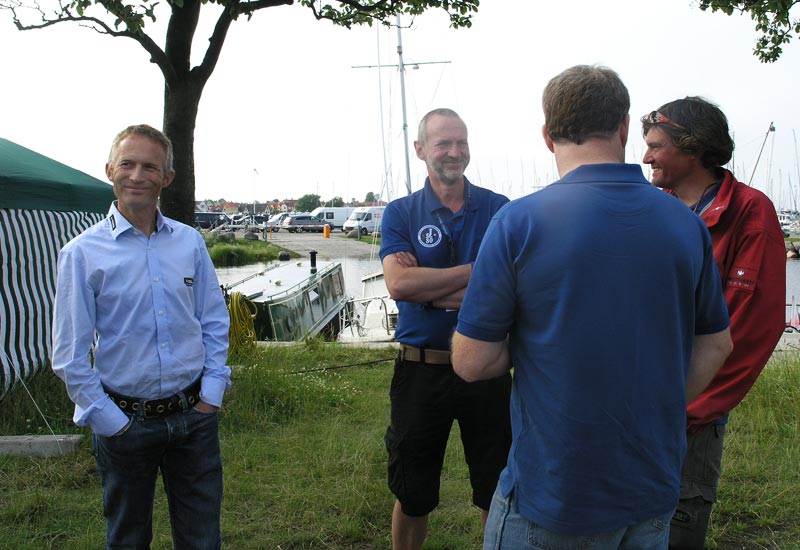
(180, 116)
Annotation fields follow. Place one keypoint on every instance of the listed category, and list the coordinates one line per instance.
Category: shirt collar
(433, 200)
(601, 173)
(717, 208)
(119, 224)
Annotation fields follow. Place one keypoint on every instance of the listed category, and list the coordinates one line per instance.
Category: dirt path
(336, 246)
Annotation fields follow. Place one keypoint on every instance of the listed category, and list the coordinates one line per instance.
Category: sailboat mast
(403, 98)
(402, 68)
(797, 164)
(753, 173)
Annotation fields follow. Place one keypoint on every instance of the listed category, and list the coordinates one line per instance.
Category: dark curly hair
(704, 133)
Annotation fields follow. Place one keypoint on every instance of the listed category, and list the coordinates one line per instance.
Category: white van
(367, 219)
(335, 216)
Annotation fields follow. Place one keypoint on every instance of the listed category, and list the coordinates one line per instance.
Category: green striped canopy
(43, 204)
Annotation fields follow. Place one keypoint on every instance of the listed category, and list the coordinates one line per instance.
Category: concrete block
(39, 445)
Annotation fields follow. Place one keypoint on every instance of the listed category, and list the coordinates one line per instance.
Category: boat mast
(753, 173)
(402, 68)
(797, 164)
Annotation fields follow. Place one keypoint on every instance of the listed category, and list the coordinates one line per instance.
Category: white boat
(371, 318)
(290, 301)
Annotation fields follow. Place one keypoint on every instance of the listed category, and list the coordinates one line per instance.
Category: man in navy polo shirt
(429, 241)
(603, 293)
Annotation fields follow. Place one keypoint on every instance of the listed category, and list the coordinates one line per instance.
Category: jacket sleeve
(754, 280)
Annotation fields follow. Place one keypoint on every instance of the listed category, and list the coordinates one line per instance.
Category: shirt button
(163, 346)
(161, 313)
(155, 279)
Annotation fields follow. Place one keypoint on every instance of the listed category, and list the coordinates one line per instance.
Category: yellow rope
(242, 333)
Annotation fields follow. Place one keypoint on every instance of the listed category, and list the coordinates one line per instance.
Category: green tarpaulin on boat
(33, 181)
(43, 204)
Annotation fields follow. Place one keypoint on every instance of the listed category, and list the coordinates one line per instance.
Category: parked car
(303, 222)
(248, 221)
(237, 221)
(258, 222)
(211, 220)
(274, 222)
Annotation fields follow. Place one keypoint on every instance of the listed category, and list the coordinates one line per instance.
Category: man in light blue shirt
(140, 338)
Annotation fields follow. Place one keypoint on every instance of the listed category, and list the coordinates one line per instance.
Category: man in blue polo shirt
(603, 294)
(429, 241)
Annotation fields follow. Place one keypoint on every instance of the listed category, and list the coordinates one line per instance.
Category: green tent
(43, 204)
(32, 181)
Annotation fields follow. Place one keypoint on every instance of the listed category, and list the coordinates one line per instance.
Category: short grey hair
(422, 131)
(145, 131)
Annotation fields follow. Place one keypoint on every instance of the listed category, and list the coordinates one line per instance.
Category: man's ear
(168, 179)
(547, 139)
(624, 127)
(418, 150)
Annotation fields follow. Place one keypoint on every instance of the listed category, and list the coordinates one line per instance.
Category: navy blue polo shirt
(438, 238)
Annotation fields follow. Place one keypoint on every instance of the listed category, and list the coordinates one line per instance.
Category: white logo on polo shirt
(429, 236)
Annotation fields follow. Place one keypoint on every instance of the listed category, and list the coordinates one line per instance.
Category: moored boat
(290, 301)
(371, 318)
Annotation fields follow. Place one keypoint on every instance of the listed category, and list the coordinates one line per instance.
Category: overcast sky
(286, 114)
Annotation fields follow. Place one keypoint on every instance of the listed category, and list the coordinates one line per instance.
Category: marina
(370, 315)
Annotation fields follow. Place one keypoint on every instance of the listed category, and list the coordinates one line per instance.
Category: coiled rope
(242, 333)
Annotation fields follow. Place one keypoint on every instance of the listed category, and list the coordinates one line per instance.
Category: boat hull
(292, 302)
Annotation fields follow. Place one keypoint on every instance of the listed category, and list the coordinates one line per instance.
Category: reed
(305, 466)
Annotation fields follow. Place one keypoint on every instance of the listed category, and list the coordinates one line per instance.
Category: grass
(305, 466)
(368, 238)
(241, 251)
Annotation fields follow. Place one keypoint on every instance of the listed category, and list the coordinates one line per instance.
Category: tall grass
(758, 501)
(241, 251)
(305, 466)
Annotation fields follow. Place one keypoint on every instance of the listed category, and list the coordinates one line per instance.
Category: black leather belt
(154, 408)
(424, 355)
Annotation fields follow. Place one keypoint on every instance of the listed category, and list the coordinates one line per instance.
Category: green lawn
(305, 464)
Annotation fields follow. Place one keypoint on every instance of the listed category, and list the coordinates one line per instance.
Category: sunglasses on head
(654, 117)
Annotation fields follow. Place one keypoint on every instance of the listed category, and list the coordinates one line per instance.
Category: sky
(291, 110)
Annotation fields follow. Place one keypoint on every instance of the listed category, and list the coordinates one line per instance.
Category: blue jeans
(185, 448)
(507, 530)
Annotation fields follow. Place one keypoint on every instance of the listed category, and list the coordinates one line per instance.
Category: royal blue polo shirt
(600, 281)
(439, 238)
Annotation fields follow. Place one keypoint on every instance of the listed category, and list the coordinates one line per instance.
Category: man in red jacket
(687, 144)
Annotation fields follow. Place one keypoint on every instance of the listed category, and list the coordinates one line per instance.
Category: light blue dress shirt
(151, 307)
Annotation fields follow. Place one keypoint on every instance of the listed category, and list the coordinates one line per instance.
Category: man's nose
(137, 174)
